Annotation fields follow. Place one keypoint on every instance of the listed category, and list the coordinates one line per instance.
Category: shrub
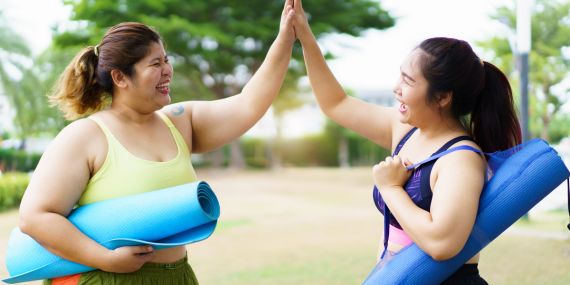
(12, 187)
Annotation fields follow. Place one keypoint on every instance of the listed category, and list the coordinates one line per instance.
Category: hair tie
(96, 50)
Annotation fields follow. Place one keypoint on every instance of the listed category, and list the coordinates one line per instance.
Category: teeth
(163, 85)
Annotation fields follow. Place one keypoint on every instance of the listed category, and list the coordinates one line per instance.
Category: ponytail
(494, 124)
(77, 92)
(86, 83)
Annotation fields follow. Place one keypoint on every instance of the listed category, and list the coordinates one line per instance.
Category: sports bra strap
(433, 157)
(386, 211)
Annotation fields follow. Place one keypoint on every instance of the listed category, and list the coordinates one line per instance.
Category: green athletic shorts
(177, 273)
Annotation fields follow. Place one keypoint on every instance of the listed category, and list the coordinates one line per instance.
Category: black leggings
(468, 274)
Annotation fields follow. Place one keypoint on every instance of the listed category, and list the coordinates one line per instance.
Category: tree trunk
(545, 124)
(343, 153)
(217, 158)
(277, 159)
(236, 155)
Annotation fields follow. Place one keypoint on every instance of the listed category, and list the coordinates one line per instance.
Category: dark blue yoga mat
(526, 174)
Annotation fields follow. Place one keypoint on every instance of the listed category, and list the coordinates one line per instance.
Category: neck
(442, 126)
(130, 114)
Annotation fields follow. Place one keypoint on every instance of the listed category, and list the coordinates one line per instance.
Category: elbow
(25, 224)
(441, 251)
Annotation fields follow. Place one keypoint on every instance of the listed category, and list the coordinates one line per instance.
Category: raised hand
(300, 23)
(286, 32)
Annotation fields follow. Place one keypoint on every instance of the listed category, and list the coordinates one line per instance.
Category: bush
(18, 160)
(311, 150)
(255, 152)
(12, 188)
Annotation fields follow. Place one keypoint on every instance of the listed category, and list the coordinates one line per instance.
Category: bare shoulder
(81, 132)
(81, 139)
(398, 133)
(464, 161)
(180, 114)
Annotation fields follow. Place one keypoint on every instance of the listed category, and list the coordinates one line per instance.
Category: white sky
(368, 62)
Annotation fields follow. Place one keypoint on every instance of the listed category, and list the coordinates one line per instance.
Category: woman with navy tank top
(451, 106)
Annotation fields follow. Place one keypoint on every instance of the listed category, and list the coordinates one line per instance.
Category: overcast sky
(369, 62)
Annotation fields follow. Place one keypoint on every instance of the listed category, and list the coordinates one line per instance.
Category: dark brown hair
(480, 91)
(86, 81)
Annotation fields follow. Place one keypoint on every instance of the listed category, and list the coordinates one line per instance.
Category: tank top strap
(175, 133)
(103, 128)
(403, 141)
(166, 120)
(452, 142)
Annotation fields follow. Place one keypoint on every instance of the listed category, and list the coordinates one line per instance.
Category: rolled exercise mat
(164, 218)
(523, 179)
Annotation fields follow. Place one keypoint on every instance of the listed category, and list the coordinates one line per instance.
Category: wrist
(284, 41)
(386, 188)
(104, 257)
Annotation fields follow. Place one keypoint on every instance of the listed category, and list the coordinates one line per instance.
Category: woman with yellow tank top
(139, 143)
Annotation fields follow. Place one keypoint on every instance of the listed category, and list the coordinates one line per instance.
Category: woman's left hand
(286, 30)
(391, 172)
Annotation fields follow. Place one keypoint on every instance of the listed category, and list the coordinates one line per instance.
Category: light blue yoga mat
(520, 182)
(163, 218)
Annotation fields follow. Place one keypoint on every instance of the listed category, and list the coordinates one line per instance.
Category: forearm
(416, 222)
(327, 89)
(258, 94)
(55, 233)
(218, 122)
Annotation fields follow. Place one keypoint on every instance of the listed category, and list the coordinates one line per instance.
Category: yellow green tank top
(124, 174)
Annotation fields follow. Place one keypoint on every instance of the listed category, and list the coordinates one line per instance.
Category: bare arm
(57, 184)
(371, 121)
(215, 123)
(443, 231)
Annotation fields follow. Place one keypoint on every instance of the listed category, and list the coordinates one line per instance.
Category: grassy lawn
(319, 226)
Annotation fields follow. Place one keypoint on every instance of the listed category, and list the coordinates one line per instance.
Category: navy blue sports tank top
(418, 185)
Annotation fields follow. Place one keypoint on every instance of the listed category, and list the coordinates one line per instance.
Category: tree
(217, 45)
(548, 64)
(24, 88)
(13, 54)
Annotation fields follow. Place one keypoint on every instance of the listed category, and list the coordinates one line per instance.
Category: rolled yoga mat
(520, 182)
(164, 218)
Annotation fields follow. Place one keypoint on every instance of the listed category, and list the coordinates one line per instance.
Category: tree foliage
(216, 45)
(549, 65)
(22, 84)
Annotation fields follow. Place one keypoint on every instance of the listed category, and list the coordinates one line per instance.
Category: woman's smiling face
(411, 91)
(152, 77)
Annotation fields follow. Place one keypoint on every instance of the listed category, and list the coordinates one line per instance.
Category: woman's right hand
(286, 32)
(301, 23)
(127, 259)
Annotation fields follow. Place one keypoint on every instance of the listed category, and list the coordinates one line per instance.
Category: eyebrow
(406, 75)
(158, 58)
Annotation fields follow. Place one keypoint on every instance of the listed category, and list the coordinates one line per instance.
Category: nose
(396, 89)
(167, 70)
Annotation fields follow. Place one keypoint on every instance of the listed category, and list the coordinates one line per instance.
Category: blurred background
(296, 189)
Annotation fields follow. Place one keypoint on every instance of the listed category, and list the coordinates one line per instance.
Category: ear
(445, 99)
(119, 79)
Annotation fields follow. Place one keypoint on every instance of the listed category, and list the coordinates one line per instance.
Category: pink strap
(399, 236)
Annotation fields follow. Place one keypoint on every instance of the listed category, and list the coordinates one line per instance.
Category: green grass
(515, 260)
(553, 220)
(320, 227)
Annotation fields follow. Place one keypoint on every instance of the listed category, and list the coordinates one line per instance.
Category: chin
(165, 100)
